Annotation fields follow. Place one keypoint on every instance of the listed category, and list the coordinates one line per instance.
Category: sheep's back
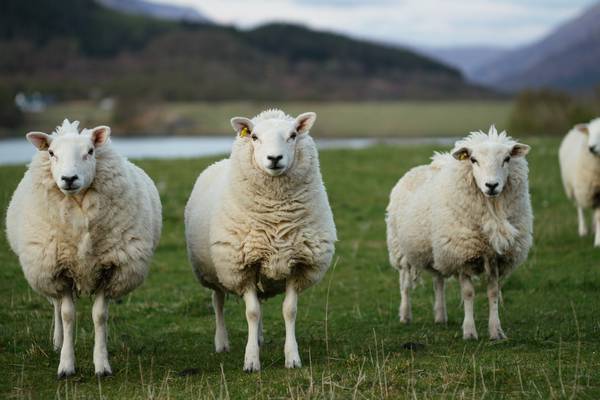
(200, 212)
(14, 212)
(580, 170)
(408, 221)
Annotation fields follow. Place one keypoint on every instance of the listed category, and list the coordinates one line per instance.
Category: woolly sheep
(579, 158)
(259, 224)
(465, 214)
(83, 221)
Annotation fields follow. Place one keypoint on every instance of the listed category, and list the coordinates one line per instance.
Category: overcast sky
(506, 23)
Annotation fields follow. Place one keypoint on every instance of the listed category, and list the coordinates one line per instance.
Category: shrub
(549, 112)
(10, 115)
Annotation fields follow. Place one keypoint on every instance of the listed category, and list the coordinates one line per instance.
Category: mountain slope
(156, 10)
(467, 59)
(83, 47)
(568, 58)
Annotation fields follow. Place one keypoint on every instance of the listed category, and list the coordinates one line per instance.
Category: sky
(430, 23)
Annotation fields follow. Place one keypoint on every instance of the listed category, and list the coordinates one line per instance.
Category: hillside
(156, 10)
(468, 59)
(82, 48)
(568, 58)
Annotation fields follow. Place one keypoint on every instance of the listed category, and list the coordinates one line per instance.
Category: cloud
(414, 22)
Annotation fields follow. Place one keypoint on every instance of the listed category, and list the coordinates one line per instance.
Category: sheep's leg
(494, 297)
(66, 367)
(583, 230)
(221, 337)
(494, 326)
(405, 307)
(439, 307)
(57, 338)
(597, 227)
(261, 337)
(100, 317)
(252, 356)
(290, 306)
(468, 296)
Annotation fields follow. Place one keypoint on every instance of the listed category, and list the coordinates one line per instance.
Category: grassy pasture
(336, 119)
(351, 343)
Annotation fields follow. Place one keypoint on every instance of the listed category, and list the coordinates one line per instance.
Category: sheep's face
(490, 164)
(72, 156)
(274, 140)
(592, 131)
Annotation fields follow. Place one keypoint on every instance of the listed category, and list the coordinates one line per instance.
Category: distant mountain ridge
(83, 47)
(466, 58)
(156, 10)
(568, 58)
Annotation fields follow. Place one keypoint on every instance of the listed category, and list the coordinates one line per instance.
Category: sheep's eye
(254, 137)
(91, 151)
(293, 135)
(473, 160)
(507, 159)
(51, 153)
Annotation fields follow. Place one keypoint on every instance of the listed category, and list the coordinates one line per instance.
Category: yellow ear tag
(463, 156)
(244, 132)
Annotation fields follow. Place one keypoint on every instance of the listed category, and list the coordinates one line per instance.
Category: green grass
(356, 119)
(351, 342)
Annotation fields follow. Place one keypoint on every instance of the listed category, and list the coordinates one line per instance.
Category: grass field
(351, 343)
(382, 119)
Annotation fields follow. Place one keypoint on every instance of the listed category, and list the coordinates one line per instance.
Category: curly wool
(438, 219)
(245, 228)
(103, 240)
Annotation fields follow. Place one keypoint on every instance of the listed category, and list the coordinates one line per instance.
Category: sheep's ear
(583, 128)
(462, 154)
(100, 135)
(520, 150)
(39, 139)
(243, 126)
(305, 121)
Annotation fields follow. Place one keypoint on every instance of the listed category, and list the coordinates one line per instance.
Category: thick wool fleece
(439, 220)
(580, 170)
(103, 239)
(245, 228)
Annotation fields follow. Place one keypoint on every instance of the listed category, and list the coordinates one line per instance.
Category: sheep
(579, 159)
(465, 214)
(259, 224)
(83, 221)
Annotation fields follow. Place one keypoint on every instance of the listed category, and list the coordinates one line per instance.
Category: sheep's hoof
(104, 374)
(252, 366)
(65, 374)
(498, 335)
(470, 336)
(441, 320)
(293, 362)
(222, 348)
(469, 332)
(405, 319)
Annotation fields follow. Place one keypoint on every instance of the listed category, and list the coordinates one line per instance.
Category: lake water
(20, 151)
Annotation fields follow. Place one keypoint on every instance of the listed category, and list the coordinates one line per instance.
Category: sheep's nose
(69, 179)
(274, 159)
(492, 186)
(592, 149)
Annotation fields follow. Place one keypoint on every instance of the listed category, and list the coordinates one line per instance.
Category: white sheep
(579, 157)
(465, 214)
(259, 224)
(83, 221)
